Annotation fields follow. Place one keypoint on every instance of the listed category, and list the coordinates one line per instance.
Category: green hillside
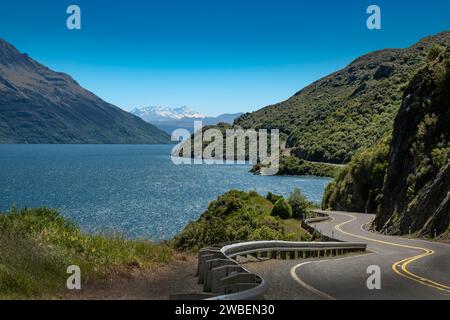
(406, 179)
(350, 109)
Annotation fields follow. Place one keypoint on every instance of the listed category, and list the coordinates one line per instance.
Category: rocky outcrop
(384, 71)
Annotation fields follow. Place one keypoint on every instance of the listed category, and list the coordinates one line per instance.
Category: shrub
(435, 51)
(273, 197)
(282, 209)
(250, 220)
(264, 233)
(298, 203)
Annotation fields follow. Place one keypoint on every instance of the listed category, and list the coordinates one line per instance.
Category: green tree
(298, 203)
(282, 209)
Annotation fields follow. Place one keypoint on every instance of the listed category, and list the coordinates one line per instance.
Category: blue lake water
(134, 190)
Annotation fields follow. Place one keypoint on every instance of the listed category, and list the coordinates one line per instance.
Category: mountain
(188, 123)
(38, 105)
(350, 109)
(170, 119)
(151, 114)
(405, 178)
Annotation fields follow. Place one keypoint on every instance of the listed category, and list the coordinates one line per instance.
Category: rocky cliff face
(38, 105)
(416, 191)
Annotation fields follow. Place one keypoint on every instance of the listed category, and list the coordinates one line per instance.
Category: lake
(134, 190)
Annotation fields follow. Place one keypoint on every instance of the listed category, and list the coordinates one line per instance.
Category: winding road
(409, 268)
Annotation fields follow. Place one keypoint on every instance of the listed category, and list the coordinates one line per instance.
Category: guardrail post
(202, 264)
(273, 255)
(237, 287)
(221, 272)
(292, 255)
(211, 264)
(203, 252)
(230, 283)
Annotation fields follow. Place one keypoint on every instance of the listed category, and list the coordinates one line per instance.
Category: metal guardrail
(318, 219)
(224, 279)
(224, 257)
(255, 293)
(246, 248)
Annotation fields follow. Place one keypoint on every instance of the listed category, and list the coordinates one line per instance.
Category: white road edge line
(311, 288)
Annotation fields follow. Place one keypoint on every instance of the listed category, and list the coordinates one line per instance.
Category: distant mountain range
(150, 114)
(38, 105)
(170, 119)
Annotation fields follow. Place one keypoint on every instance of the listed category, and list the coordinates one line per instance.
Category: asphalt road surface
(409, 268)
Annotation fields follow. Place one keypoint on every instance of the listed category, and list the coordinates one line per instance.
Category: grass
(37, 246)
(295, 232)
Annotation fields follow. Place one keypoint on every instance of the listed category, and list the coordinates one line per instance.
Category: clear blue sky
(215, 56)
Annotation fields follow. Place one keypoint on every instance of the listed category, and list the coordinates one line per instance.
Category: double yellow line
(399, 267)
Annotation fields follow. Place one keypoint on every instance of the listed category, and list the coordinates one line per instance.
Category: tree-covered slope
(38, 105)
(357, 187)
(347, 110)
(407, 182)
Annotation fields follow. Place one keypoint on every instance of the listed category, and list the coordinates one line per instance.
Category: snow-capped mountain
(169, 119)
(151, 114)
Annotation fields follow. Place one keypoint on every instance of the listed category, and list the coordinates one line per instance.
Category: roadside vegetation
(358, 186)
(242, 216)
(293, 166)
(37, 246)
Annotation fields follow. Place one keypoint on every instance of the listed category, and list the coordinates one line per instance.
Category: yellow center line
(402, 264)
